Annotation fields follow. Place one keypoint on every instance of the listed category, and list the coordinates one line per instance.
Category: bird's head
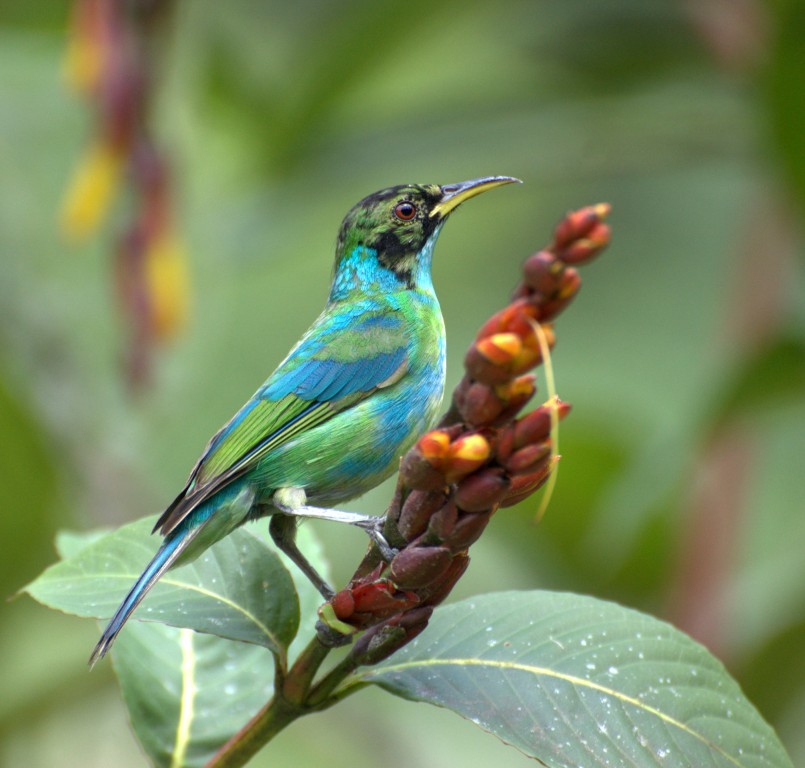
(386, 240)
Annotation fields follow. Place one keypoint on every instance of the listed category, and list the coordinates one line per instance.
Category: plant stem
(320, 696)
(250, 739)
(289, 702)
(296, 686)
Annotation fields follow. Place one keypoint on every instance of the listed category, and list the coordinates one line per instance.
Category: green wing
(341, 360)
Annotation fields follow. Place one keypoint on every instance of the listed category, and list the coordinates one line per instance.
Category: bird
(332, 421)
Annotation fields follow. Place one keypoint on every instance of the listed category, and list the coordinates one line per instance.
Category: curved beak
(455, 194)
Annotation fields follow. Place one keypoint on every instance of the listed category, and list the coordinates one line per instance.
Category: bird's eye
(405, 211)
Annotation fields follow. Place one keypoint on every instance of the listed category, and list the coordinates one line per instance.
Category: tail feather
(161, 562)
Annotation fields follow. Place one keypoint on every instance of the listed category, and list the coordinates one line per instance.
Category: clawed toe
(373, 526)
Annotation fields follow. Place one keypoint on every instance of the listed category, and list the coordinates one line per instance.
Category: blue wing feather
(330, 369)
(327, 380)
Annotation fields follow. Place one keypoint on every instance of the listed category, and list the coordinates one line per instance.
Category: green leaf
(574, 681)
(773, 376)
(28, 477)
(238, 589)
(70, 543)
(187, 693)
(784, 93)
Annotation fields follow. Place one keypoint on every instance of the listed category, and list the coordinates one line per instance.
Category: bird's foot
(374, 529)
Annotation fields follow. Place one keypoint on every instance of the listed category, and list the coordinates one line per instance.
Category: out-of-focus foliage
(680, 490)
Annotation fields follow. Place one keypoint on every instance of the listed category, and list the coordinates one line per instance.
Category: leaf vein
(544, 671)
(167, 581)
(187, 701)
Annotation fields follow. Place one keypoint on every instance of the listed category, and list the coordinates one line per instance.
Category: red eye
(405, 211)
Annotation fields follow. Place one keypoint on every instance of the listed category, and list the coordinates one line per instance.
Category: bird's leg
(372, 526)
(283, 530)
(293, 501)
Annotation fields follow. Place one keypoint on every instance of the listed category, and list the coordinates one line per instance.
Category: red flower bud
(434, 445)
(482, 490)
(579, 224)
(504, 447)
(378, 643)
(500, 348)
(519, 393)
(587, 248)
(482, 369)
(478, 404)
(565, 293)
(343, 604)
(498, 358)
(531, 355)
(382, 640)
(529, 458)
(376, 596)
(435, 461)
(535, 427)
(519, 390)
(524, 485)
(513, 318)
(466, 454)
(417, 567)
(417, 511)
(422, 466)
(442, 522)
(542, 273)
(570, 284)
(418, 473)
(440, 589)
(414, 620)
(467, 530)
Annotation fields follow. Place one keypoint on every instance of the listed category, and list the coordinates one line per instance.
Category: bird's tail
(164, 558)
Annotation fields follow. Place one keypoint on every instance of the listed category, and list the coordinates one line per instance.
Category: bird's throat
(366, 271)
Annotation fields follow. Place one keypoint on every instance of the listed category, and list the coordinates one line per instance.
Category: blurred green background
(681, 487)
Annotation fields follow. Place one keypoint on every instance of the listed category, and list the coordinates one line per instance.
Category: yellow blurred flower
(91, 191)
(167, 282)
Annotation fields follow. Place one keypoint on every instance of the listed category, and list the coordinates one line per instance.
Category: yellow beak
(455, 194)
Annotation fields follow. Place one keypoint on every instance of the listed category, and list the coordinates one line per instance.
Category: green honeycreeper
(349, 399)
